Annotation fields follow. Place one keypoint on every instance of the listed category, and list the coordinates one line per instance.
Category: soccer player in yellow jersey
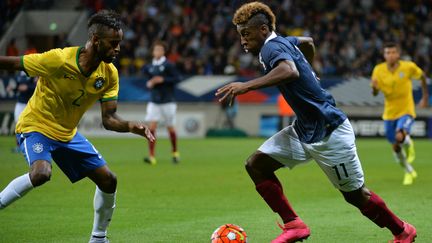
(394, 79)
(71, 81)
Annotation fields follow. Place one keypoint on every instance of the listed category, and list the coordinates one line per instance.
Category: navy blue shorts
(75, 158)
(392, 126)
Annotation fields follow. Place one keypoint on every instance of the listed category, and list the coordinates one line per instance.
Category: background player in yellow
(71, 81)
(394, 79)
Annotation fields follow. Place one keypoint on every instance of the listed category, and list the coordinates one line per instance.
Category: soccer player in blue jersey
(321, 132)
(24, 89)
(162, 78)
(70, 81)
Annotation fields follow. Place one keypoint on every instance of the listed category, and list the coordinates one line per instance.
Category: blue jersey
(163, 92)
(24, 97)
(315, 108)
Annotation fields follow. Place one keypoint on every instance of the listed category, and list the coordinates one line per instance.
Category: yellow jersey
(63, 92)
(397, 88)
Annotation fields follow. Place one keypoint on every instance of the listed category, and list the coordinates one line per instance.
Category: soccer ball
(229, 233)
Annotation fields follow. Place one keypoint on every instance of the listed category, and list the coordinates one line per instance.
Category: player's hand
(157, 79)
(231, 90)
(141, 129)
(424, 102)
(150, 84)
(22, 87)
(374, 86)
(153, 81)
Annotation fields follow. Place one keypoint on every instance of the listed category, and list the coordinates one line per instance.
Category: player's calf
(104, 204)
(16, 189)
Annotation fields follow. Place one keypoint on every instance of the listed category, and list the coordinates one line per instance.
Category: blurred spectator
(202, 40)
(24, 89)
(12, 49)
(30, 48)
(348, 34)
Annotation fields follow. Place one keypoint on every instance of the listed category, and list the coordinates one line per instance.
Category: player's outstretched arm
(307, 47)
(11, 63)
(285, 71)
(424, 102)
(111, 121)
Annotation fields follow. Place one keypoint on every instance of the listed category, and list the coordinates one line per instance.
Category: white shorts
(19, 107)
(335, 154)
(165, 113)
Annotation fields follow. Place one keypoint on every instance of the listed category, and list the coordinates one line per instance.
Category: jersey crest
(37, 148)
(99, 82)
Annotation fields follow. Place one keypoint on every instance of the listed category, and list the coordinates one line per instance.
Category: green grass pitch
(186, 202)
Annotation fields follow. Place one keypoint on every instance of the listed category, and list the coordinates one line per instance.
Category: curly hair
(247, 11)
(104, 18)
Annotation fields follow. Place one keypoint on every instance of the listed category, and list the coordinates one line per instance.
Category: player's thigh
(153, 112)
(35, 147)
(168, 111)
(405, 123)
(337, 157)
(77, 158)
(390, 130)
(286, 148)
(262, 162)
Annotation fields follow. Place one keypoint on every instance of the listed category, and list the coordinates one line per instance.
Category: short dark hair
(104, 19)
(391, 45)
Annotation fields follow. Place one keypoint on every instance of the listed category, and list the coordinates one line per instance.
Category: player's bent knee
(262, 164)
(400, 136)
(251, 163)
(38, 178)
(358, 197)
(40, 172)
(396, 147)
(109, 184)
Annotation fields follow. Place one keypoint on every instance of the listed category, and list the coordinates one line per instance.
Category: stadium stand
(202, 41)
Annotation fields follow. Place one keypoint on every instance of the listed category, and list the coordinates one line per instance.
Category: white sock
(104, 204)
(401, 158)
(15, 190)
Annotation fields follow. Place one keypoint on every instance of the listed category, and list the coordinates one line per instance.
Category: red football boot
(407, 236)
(293, 231)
